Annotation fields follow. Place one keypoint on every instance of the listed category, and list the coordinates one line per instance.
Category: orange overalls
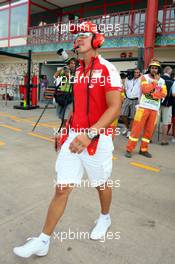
(145, 118)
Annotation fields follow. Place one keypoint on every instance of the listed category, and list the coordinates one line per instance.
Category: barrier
(49, 93)
(33, 92)
(8, 92)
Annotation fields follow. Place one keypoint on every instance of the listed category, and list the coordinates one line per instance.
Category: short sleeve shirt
(105, 78)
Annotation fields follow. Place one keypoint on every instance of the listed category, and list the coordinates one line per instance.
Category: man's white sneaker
(34, 246)
(173, 140)
(101, 227)
(124, 132)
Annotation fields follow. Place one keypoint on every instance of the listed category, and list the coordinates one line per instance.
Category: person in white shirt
(132, 92)
(167, 103)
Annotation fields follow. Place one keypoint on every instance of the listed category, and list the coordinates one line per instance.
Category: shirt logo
(96, 73)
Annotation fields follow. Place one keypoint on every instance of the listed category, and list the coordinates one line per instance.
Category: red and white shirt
(105, 78)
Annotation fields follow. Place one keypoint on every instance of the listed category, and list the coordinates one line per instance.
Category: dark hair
(71, 59)
(137, 69)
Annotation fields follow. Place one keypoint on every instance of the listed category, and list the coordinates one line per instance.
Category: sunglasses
(154, 67)
(83, 35)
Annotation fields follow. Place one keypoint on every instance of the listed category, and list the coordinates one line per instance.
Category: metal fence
(130, 23)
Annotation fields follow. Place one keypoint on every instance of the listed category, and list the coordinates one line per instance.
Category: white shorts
(70, 166)
(166, 114)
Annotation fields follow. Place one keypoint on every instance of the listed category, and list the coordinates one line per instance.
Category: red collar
(82, 64)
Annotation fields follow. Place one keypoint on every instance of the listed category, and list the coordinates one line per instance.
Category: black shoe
(145, 154)
(128, 154)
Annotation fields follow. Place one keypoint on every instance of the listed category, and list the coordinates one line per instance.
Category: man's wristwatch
(92, 134)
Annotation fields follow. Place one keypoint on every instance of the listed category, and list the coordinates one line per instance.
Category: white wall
(3, 43)
(163, 54)
(18, 42)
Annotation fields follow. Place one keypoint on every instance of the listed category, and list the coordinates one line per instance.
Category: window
(18, 23)
(15, 2)
(4, 16)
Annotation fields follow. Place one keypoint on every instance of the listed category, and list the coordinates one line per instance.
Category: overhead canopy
(53, 4)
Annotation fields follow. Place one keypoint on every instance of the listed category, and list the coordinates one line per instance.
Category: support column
(150, 30)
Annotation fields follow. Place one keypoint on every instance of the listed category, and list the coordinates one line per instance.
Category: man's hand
(157, 76)
(79, 143)
(157, 95)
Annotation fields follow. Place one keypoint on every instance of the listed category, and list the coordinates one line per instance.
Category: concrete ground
(143, 208)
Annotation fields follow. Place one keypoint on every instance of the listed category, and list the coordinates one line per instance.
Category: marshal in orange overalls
(146, 114)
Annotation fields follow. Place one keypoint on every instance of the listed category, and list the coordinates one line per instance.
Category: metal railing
(121, 24)
(166, 20)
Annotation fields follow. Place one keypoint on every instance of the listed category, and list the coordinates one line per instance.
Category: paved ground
(142, 210)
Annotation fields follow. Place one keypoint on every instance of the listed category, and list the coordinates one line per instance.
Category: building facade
(42, 26)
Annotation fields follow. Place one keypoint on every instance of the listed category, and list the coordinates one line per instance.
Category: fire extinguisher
(34, 89)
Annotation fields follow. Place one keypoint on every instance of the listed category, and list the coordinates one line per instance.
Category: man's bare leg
(40, 245)
(56, 208)
(104, 221)
(105, 196)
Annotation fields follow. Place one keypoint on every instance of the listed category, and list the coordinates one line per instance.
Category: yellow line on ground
(140, 165)
(10, 127)
(6, 114)
(32, 117)
(47, 125)
(27, 120)
(41, 136)
(24, 120)
(17, 119)
(2, 143)
(32, 123)
(53, 123)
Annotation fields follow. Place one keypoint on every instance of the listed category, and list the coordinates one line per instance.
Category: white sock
(43, 237)
(104, 216)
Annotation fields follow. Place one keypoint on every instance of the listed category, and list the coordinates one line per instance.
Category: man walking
(97, 102)
(153, 89)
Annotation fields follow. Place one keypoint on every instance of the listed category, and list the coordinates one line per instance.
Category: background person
(63, 83)
(43, 86)
(173, 122)
(132, 92)
(167, 103)
(153, 89)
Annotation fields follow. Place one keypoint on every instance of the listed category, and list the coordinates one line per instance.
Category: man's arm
(57, 73)
(114, 102)
(113, 99)
(160, 93)
(146, 87)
